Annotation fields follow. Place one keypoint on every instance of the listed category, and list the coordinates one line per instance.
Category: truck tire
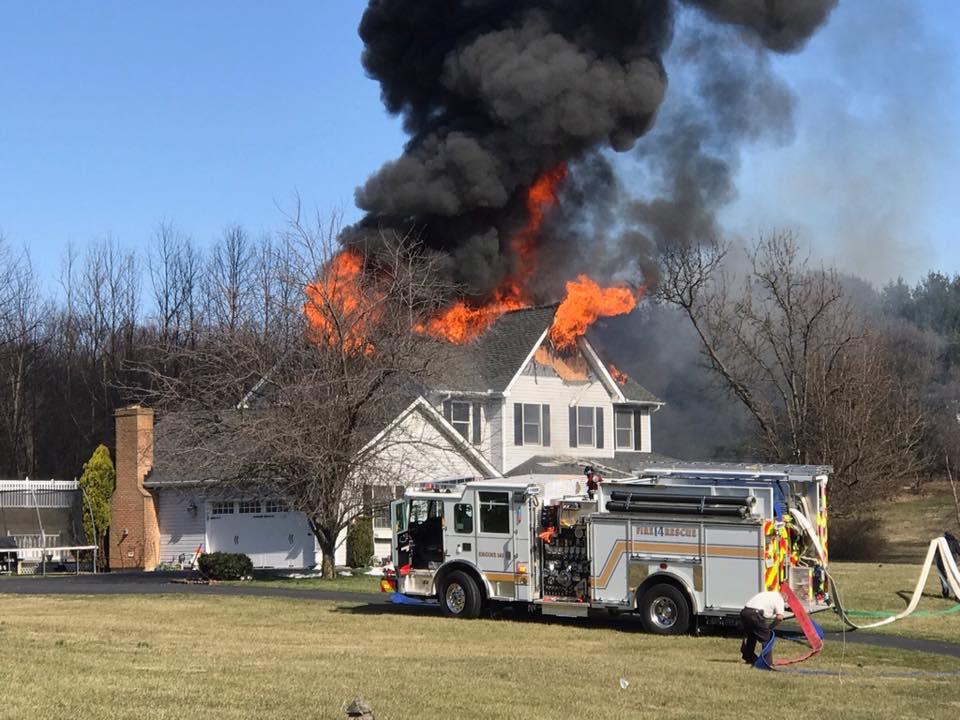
(664, 610)
(459, 596)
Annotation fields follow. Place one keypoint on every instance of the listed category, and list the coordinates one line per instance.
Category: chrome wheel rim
(663, 612)
(456, 598)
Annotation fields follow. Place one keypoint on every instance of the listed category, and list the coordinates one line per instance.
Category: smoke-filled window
(624, 429)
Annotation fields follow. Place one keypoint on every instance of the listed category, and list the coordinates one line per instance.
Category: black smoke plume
(495, 92)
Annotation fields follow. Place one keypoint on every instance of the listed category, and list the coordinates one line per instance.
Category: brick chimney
(134, 532)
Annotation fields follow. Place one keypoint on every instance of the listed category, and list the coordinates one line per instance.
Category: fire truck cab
(676, 544)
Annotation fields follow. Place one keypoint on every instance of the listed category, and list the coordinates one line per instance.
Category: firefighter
(764, 611)
(593, 480)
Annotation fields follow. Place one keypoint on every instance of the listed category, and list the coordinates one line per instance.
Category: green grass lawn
(182, 657)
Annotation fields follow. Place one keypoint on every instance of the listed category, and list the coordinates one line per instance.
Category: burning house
(515, 110)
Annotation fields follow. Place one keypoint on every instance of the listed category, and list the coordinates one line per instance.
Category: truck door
(400, 548)
(495, 542)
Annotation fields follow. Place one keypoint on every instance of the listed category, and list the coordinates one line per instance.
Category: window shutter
(517, 424)
(637, 442)
(573, 427)
(599, 427)
(476, 423)
(545, 416)
(448, 410)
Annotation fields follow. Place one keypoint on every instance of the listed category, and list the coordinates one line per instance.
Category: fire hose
(937, 545)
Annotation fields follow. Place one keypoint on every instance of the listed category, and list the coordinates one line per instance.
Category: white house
(508, 405)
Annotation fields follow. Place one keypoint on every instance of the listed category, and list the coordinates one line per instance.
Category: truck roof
(754, 471)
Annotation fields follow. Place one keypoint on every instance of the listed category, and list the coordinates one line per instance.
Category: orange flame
(338, 309)
(585, 302)
(461, 322)
(620, 377)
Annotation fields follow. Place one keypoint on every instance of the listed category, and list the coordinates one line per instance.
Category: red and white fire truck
(678, 543)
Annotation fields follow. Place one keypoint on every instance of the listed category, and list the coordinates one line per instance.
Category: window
(531, 424)
(277, 506)
(495, 512)
(624, 429)
(465, 418)
(249, 507)
(377, 503)
(221, 507)
(585, 417)
(586, 427)
(460, 418)
(423, 510)
(463, 518)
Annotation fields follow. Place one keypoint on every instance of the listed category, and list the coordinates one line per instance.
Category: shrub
(225, 566)
(360, 542)
(856, 538)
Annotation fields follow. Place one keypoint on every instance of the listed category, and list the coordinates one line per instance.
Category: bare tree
(229, 279)
(298, 419)
(175, 271)
(816, 379)
(23, 315)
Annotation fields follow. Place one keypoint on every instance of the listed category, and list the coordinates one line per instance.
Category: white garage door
(266, 531)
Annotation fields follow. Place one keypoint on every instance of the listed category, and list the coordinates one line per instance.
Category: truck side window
(418, 511)
(495, 512)
(463, 518)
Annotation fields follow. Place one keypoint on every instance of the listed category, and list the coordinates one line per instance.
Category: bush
(856, 538)
(360, 542)
(225, 566)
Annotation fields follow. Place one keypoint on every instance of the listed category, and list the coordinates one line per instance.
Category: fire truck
(681, 545)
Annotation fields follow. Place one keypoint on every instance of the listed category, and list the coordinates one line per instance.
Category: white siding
(560, 395)
(181, 530)
(414, 451)
(493, 429)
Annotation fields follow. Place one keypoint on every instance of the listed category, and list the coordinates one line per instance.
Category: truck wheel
(664, 610)
(460, 596)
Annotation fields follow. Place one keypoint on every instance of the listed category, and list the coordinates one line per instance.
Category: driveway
(139, 583)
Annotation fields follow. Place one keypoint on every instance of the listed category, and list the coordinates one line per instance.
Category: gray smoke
(495, 92)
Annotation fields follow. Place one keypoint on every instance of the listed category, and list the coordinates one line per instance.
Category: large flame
(338, 295)
(462, 322)
(338, 308)
(585, 302)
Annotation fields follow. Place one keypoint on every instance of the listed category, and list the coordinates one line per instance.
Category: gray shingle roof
(491, 361)
(622, 464)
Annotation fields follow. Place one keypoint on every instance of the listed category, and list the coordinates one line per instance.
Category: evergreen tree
(97, 482)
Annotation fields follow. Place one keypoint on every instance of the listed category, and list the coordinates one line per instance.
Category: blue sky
(117, 115)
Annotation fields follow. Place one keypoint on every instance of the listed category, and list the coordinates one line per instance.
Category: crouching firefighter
(764, 611)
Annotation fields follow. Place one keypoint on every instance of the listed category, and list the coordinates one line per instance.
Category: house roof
(175, 464)
(489, 363)
(622, 464)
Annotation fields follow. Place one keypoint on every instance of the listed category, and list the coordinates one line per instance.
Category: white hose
(953, 578)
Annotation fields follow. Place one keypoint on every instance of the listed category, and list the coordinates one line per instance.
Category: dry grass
(909, 521)
(228, 658)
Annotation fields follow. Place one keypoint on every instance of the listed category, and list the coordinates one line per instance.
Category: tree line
(74, 350)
